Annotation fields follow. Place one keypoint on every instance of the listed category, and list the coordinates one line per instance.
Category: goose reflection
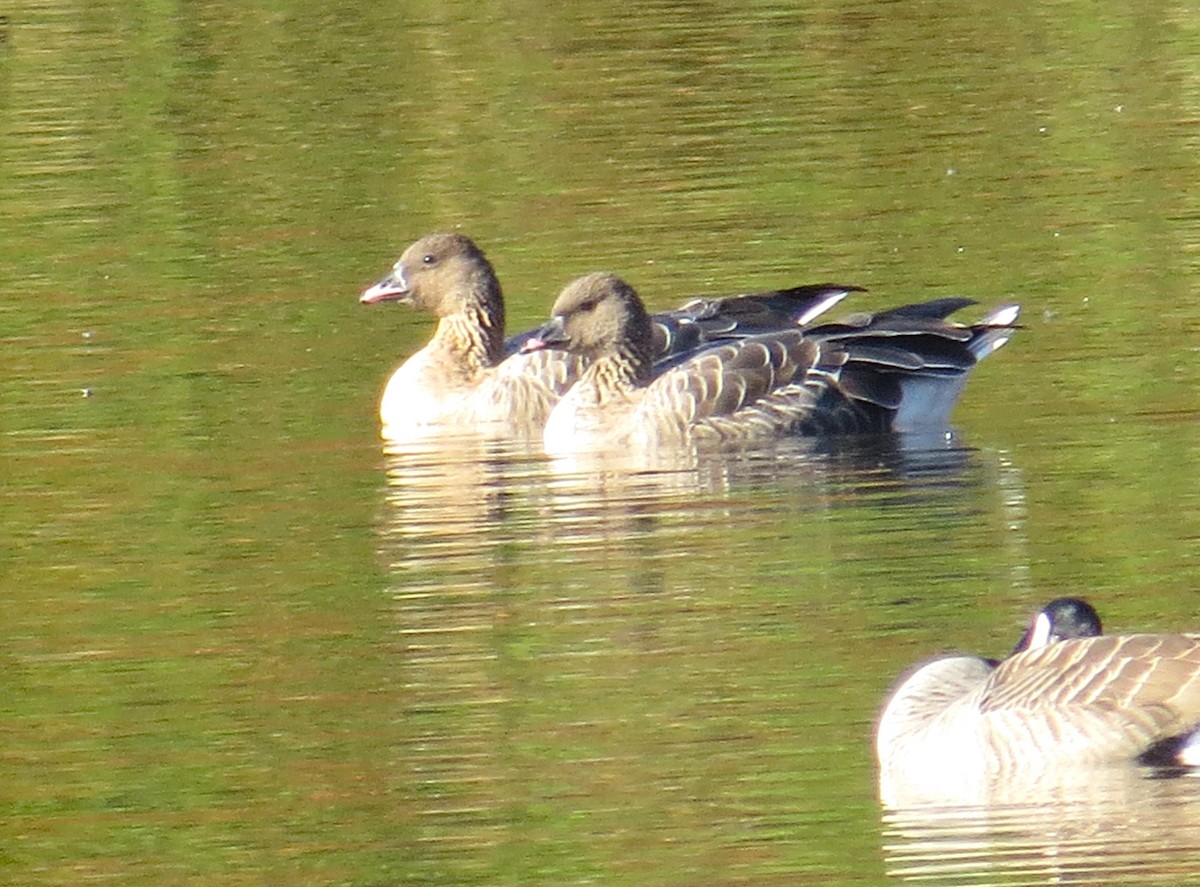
(460, 510)
(454, 494)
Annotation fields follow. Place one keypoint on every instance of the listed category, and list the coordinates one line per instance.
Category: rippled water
(244, 645)
(1120, 826)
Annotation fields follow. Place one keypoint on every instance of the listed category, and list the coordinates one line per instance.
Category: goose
(1073, 698)
(898, 370)
(468, 376)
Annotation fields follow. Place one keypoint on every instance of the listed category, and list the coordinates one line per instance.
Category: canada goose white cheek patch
(1041, 632)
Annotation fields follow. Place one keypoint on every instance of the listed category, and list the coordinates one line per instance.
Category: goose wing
(920, 338)
(1103, 697)
(699, 322)
(739, 388)
(525, 387)
(903, 369)
(895, 370)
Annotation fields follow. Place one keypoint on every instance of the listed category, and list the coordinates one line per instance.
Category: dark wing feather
(870, 388)
(679, 334)
(934, 309)
(890, 353)
(703, 321)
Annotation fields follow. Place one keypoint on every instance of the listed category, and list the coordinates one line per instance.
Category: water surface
(243, 645)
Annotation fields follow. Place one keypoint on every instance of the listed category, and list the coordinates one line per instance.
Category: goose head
(1062, 618)
(445, 273)
(595, 316)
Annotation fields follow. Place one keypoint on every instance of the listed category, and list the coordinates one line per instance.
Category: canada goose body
(468, 376)
(896, 371)
(1077, 702)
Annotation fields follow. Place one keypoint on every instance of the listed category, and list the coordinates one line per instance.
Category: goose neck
(473, 336)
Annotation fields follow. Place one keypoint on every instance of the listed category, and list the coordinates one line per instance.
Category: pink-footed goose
(1067, 698)
(899, 370)
(468, 376)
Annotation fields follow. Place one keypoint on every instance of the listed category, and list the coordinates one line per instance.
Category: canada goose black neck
(1062, 618)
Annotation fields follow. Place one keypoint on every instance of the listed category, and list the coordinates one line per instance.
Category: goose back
(679, 333)
(1078, 702)
(470, 376)
(897, 370)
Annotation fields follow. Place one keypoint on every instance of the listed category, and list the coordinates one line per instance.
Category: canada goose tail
(1174, 752)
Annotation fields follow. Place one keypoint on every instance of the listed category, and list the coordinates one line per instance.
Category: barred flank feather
(899, 370)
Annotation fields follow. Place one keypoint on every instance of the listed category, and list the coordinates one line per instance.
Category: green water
(242, 647)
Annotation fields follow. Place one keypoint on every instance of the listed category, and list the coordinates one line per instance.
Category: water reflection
(649, 658)
(915, 461)
(642, 651)
(457, 494)
(461, 510)
(1119, 824)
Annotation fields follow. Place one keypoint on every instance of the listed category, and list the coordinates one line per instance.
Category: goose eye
(589, 304)
(428, 259)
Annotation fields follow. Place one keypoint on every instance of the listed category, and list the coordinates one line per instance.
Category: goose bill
(552, 335)
(391, 288)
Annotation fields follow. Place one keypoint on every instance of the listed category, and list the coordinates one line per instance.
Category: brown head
(445, 273)
(596, 316)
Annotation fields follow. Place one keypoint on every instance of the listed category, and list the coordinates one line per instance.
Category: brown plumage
(1082, 701)
(460, 379)
(898, 370)
(468, 376)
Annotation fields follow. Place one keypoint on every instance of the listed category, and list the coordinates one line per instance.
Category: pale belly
(504, 403)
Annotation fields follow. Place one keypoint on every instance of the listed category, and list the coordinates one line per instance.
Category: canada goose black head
(1062, 618)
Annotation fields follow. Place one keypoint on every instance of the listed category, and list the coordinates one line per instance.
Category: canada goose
(899, 370)
(1087, 700)
(469, 377)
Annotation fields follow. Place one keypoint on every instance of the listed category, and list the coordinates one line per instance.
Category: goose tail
(993, 332)
(929, 399)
